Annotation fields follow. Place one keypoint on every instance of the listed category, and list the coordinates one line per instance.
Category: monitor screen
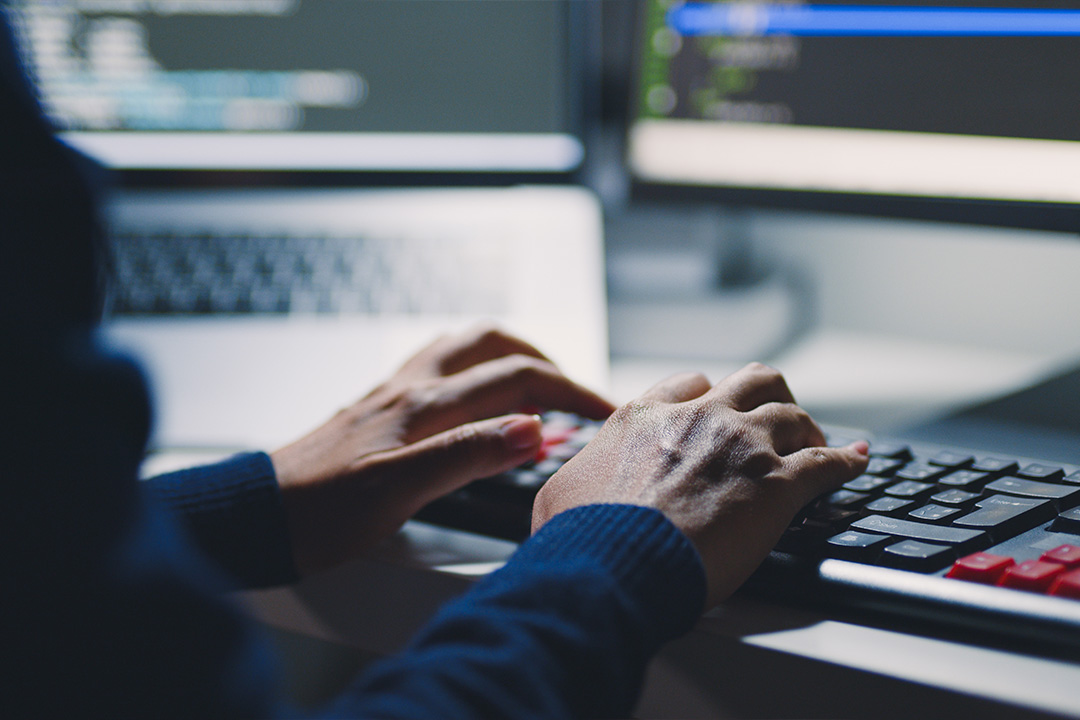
(444, 85)
(967, 111)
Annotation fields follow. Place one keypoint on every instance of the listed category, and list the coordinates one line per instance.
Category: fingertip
(522, 433)
(861, 447)
(586, 403)
(827, 467)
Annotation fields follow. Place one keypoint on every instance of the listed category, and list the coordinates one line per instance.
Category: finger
(820, 469)
(753, 386)
(453, 353)
(506, 384)
(679, 388)
(442, 463)
(790, 427)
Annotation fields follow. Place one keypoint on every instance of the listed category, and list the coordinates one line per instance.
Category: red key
(1067, 555)
(1031, 575)
(556, 436)
(981, 568)
(1067, 585)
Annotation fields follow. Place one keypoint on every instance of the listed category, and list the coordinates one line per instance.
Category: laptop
(431, 147)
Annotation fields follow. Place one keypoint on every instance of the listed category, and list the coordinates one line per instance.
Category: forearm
(564, 630)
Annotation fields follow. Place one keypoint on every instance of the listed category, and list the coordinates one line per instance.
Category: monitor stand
(688, 282)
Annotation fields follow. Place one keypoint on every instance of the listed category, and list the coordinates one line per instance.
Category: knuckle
(525, 367)
(486, 333)
(630, 411)
(696, 378)
(772, 412)
(767, 374)
(467, 447)
(640, 414)
(466, 437)
(756, 368)
(416, 398)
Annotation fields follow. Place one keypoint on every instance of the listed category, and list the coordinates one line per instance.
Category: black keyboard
(196, 273)
(979, 543)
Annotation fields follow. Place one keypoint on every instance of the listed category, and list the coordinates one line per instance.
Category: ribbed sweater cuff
(646, 555)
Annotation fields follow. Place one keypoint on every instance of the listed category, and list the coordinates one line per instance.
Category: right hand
(729, 465)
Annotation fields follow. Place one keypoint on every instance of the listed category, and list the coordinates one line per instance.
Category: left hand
(437, 424)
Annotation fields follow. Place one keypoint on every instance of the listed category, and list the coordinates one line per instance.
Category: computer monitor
(308, 85)
(946, 111)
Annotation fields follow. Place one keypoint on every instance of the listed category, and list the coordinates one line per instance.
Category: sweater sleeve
(565, 629)
(234, 513)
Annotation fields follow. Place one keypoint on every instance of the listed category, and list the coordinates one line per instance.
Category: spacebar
(916, 531)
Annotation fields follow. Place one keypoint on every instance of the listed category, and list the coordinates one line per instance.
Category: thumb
(442, 463)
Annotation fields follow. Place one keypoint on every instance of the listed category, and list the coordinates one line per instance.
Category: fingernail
(860, 446)
(521, 433)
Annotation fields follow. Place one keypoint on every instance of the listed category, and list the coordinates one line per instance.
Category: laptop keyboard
(904, 537)
(170, 273)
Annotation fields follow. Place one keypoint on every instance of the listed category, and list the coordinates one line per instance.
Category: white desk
(748, 658)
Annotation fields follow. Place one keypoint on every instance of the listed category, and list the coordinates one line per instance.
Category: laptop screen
(383, 85)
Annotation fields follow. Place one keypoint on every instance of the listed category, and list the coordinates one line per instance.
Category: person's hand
(729, 465)
(437, 424)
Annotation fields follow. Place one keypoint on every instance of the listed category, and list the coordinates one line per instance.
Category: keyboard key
(966, 479)
(889, 506)
(966, 538)
(955, 498)
(1067, 522)
(981, 568)
(1064, 496)
(1067, 555)
(831, 516)
(867, 483)
(847, 499)
(917, 556)
(854, 545)
(919, 471)
(883, 466)
(1073, 477)
(910, 490)
(887, 449)
(1004, 516)
(946, 458)
(1067, 585)
(933, 513)
(1031, 575)
(994, 465)
(1039, 471)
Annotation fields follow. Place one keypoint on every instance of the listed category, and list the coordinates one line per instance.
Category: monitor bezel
(580, 24)
(1020, 214)
(1058, 217)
